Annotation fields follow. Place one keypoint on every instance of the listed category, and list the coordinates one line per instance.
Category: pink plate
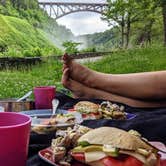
(47, 155)
(162, 147)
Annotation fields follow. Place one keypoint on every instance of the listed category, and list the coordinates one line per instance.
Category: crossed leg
(81, 91)
(140, 86)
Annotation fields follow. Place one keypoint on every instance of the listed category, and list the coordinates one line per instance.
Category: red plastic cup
(14, 138)
(44, 96)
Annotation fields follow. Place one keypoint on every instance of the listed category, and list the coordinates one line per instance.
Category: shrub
(37, 52)
(70, 47)
(3, 46)
(12, 52)
(28, 53)
(89, 49)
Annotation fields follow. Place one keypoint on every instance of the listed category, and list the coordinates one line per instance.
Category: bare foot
(78, 72)
(78, 90)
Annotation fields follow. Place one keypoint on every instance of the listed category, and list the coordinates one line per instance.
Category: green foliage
(103, 41)
(71, 47)
(89, 49)
(7, 9)
(123, 13)
(37, 52)
(26, 26)
(23, 38)
(28, 53)
(50, 51)
(16, 83)
(146, 25)
(131, 61)
(3, 46)
(126, 14)
(11, 52)
(24, 4)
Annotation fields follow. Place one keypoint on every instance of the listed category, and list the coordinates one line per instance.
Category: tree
(163, 5)
(24, 4)
(123, 13)
(3, 2)
(127, 12)
(150, 15)
(71, 47)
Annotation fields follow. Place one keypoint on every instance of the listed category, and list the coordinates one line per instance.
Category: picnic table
(150, 122)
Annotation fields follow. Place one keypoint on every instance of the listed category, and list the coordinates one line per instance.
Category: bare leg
(81, 91)
(142, 86)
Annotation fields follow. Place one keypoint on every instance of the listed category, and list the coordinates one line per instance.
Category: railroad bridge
(57, 9)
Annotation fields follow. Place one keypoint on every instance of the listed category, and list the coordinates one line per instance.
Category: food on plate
(109, 146)
(62, 118)
(45, 125)
(112, 111)
(104, 146)
(43, 129)
(66, 140)
(88, 109)
(106, 109)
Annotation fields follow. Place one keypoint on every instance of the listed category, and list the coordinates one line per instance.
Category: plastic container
(44, 96)
(14, 138)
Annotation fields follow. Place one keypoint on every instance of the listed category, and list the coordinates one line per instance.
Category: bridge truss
(60, 9)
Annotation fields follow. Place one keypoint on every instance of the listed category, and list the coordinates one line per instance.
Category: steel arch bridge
(59, 9)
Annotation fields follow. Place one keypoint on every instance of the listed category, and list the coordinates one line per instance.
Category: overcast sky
(83, 22)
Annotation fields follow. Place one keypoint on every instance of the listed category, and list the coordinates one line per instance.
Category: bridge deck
(60, 9)
(70, 3)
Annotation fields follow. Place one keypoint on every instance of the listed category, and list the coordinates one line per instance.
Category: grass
(16, 83)
(132, 61)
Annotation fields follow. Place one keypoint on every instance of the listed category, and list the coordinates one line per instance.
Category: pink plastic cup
(14, 138)
(44, 96)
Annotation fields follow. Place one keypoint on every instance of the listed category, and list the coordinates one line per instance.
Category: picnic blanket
(150, 122)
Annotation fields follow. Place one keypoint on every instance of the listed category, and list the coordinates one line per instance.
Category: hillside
(102, 41)
(18, 33)
(27, 30)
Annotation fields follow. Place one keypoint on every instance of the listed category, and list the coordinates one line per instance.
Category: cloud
(84, 23)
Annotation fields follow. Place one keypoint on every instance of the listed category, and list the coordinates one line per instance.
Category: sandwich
(88, 110)
(109, 146)
(105, 110)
